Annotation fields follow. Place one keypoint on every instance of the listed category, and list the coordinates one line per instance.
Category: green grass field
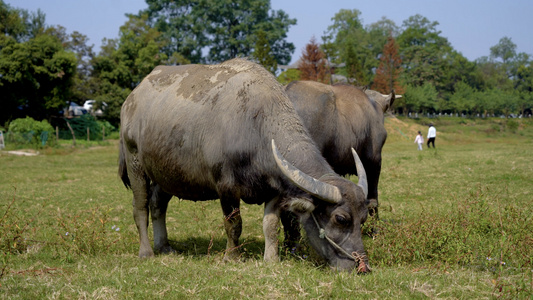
(455, 222)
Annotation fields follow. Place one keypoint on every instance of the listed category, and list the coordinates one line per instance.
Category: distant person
(419, 140)
(432, 134)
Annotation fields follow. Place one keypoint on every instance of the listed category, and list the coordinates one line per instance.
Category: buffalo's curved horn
(363, 183)
(317, 188)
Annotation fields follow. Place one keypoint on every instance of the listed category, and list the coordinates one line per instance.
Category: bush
(108, 128)
(512, 125)
(30, 131)
(80, 125)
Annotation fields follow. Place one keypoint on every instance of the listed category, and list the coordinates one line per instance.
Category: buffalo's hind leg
(140, 187)
(232, 224)
(158, 211)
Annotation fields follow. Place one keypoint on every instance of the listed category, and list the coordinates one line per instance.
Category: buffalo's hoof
(232, 256)
(166, 250)
(146, 253)
(372, 204)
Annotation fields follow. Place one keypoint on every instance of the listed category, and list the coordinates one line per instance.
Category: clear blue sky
(471, 26)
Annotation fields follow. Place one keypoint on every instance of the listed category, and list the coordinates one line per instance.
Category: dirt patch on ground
(397, 127)
(23, 152)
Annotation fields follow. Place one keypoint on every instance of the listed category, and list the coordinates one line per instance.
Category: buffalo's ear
(392, 98)
(300, 206)
(386, 101)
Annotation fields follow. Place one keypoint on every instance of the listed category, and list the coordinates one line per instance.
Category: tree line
(43, 68)
(415, 60)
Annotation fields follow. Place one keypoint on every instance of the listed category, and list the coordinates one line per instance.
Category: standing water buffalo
(230, 132)
(341, 117)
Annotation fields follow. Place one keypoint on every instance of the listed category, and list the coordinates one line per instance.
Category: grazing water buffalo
(341, 117)
(230, 132)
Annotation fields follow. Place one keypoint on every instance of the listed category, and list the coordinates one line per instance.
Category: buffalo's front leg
(233, 226)
(270, 230)
(372, 172)
(158, 211)
(372, 167)
(291, 229)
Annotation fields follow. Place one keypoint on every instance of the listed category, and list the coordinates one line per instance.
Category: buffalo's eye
(341, 220)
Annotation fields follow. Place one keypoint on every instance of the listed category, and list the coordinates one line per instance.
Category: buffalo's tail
(122, 167)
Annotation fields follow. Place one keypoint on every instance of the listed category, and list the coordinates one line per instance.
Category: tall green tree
(381, 30)
(37, 77)
(378, 36)
(352, 67)
(123, 63)
(263, 53)
(457, 68)
(20, 24)
(12, 23)
(233, 24)
(78, 43)
(423, 51)
(36, 72)
(182, 24)
(346, 41)
(504, 50)
(503, 55)
(492, 73)
(223, 29)
(345, 29)
(504, 68)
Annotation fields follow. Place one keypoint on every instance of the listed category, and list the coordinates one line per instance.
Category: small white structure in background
(88, 105)
(76, 110)
(2, 143)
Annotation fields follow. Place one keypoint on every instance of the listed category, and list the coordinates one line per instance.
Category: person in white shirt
(419, 140)
(432, 134)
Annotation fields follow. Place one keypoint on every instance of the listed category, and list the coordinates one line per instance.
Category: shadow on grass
(201, 247)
